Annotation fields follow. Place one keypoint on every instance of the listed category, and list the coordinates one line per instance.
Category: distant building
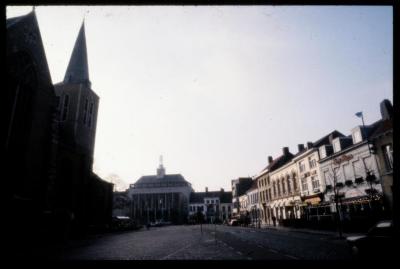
(216, 206)
(121, 204)
(160, 197)
(284, 178)
(239, 187)
(312, 185)
(382, 139)
(253, 204)
(279, 188)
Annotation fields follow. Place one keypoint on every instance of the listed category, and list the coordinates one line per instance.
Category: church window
(65, 107)
(90, 114)
(85, 111)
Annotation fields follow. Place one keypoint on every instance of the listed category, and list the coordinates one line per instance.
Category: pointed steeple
(78, 70)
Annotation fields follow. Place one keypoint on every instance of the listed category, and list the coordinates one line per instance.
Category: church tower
(161, 169)
(77, 102)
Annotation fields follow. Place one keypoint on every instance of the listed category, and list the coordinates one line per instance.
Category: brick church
(51, 190)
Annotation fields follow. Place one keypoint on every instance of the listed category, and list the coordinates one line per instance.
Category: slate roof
(198, 197)
(78, 70)
(279, 162)
(327, 138)
(11, 21)
(153, 179)
(253, 185)
(384, 126)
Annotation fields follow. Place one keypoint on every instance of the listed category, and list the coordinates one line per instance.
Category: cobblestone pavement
(289, 244)
(215, 242)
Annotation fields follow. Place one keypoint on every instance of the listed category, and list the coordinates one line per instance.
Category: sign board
(342, 158)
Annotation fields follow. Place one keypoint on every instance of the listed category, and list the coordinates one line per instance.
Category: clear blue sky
(217, 89)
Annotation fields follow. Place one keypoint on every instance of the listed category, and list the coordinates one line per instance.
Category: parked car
(378, 242)
(234, 222)
(123, 223)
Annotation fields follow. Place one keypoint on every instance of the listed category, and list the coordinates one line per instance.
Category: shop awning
(313, 201)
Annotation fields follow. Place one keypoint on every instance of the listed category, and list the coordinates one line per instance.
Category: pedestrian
(274, 220)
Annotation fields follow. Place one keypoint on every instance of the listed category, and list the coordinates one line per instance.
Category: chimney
(206, 189)
(300, 147)
(309, 145)
(285, 151)
(270, 159)
(222, 189)
(386, 110)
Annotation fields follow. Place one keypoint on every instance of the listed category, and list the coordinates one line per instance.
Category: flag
(359, 114)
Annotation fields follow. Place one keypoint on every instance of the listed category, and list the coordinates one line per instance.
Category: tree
(119, 183)
(335, 186)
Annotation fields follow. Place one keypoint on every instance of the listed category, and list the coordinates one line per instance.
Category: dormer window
(322, 152)
(357, 138)
(336, 145)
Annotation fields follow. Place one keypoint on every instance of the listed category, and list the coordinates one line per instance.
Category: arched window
(279, 187)
(289, 187)
(294, 178)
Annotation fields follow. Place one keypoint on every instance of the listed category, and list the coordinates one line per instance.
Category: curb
(305, 231)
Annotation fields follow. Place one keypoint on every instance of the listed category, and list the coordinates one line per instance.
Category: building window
(302, 167)
(85, 110)
(294, 182)
(229, 208)
(347, 172)
(90, 114)
(312, 162)
(274, 189)
(289, 188)
(322, 152)
(315, 182)
(212, 201)
(388, 153)
(304, 184)
(336, 145)
(357, 137)
(283, 186)
(223, 208)
(269, 193)
(65, 107)
(279, 187)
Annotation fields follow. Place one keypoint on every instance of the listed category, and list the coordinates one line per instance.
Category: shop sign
(342, 158)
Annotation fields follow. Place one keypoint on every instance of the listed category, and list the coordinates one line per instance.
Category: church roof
(14, 20)
(78, 70)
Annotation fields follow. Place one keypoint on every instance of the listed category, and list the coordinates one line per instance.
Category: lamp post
(370, 177)
(360, 115)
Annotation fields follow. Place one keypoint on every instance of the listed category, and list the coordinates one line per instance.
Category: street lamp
(360, 115)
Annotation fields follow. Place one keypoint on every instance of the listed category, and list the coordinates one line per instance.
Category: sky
(216, 90)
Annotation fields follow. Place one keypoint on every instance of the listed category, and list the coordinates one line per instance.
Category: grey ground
(214, 242)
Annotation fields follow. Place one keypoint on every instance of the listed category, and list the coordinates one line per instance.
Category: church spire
(78, 70)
